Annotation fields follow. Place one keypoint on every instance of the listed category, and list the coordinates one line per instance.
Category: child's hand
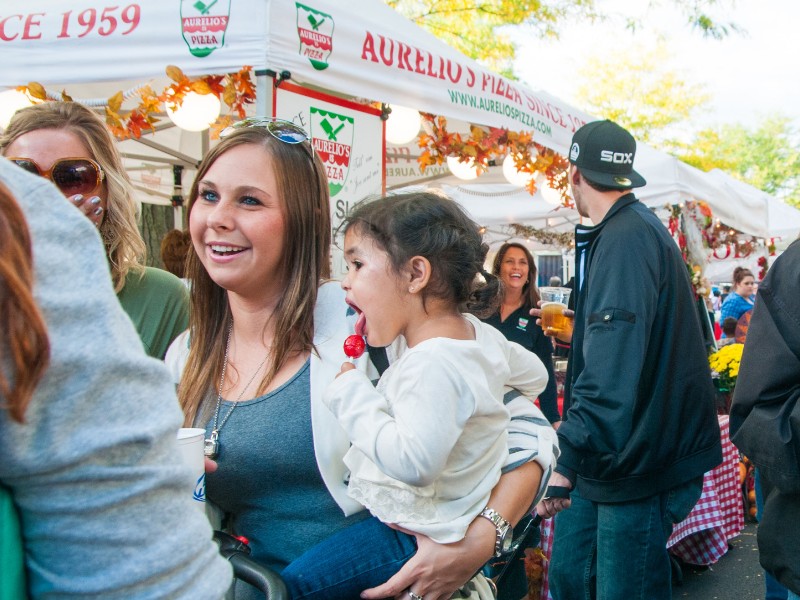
(347, 366)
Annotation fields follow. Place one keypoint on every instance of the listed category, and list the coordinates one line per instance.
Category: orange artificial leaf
(175, 73)
(201, 87)
(229, 94)
(137, 122)
(115, 102)
(112, 118)
(219, 125)
(148, 101)
(36, 90)
(425, 160)
(65, 97)
(214, 83)
(477, 133)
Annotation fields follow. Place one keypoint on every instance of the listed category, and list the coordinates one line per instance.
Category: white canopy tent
(358, 50)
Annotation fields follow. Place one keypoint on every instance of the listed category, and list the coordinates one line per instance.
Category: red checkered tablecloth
(702, 537)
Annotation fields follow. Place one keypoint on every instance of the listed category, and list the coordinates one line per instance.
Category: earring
(412, 289)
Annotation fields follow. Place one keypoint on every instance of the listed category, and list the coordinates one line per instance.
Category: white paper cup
(190, 444)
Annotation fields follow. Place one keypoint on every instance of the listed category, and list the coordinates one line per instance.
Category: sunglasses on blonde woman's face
(71, 175)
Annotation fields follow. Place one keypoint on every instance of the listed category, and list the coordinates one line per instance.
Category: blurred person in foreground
(641, 427)
(88, 422)
(765, 415)
(70, 145)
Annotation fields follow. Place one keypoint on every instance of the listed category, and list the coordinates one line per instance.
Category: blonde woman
(70, 145)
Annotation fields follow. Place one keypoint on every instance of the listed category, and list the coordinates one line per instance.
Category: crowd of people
(397, 473)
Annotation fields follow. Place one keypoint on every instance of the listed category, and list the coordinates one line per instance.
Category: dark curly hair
(433, 226)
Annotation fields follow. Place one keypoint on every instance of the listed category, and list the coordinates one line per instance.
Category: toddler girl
(429, 443)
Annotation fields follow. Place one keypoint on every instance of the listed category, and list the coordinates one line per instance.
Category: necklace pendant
(211, 445)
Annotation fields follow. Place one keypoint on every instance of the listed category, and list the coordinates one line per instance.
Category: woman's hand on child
(438, 570)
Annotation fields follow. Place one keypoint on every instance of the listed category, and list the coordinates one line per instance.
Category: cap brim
(622, 182)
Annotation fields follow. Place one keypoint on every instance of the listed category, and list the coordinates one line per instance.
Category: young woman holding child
(265, 341)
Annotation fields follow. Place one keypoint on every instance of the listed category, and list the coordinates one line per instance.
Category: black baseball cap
(604, 153)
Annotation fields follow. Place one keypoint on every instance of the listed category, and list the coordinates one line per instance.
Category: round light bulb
(512, 174)
(550, 195)
(463, 170)
(10, 102)
(403, 124)
(196, 113)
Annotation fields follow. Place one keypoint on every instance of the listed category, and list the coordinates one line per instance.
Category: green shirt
(158, 304)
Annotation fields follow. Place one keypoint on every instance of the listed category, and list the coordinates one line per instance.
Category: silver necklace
(211, 445)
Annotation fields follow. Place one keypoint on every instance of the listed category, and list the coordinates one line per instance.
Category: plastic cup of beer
(554, 301)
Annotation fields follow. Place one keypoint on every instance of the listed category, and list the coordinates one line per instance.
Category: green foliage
(639, 90)
(474, 27)
(766, 156)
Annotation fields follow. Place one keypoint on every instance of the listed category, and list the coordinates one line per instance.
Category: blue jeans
(618, 551)
(356, 558)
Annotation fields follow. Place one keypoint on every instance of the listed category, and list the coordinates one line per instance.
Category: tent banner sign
(385, 57)
(82, 41)
(348, 138)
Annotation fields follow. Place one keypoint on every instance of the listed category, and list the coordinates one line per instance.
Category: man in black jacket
(641, 429)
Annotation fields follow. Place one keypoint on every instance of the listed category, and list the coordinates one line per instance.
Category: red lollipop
(354, 346)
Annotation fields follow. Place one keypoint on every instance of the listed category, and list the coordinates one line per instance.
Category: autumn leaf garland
(235, 90)
(484, 144)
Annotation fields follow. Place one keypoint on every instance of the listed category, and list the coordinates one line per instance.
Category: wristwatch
(505, 532)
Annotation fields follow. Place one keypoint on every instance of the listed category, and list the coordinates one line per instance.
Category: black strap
(557, 491)
(378, 357)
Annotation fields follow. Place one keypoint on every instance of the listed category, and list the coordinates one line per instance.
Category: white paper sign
(348, 138)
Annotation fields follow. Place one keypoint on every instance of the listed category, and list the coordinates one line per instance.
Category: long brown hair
(303, 186)
(24, 344)
(124, 245)
(530, 293)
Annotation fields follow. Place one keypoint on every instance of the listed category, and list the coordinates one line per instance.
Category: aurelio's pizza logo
(315, 30)
(203, 23)
(332, 136)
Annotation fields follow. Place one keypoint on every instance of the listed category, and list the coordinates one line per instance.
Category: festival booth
(335, 68)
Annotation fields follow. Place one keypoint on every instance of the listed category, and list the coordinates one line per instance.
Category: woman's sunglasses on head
(285, 131)
(70, 175)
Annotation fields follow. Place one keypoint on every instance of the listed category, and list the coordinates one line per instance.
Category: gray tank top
(268, 480)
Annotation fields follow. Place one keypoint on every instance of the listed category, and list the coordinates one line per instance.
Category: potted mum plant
(724, 365)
